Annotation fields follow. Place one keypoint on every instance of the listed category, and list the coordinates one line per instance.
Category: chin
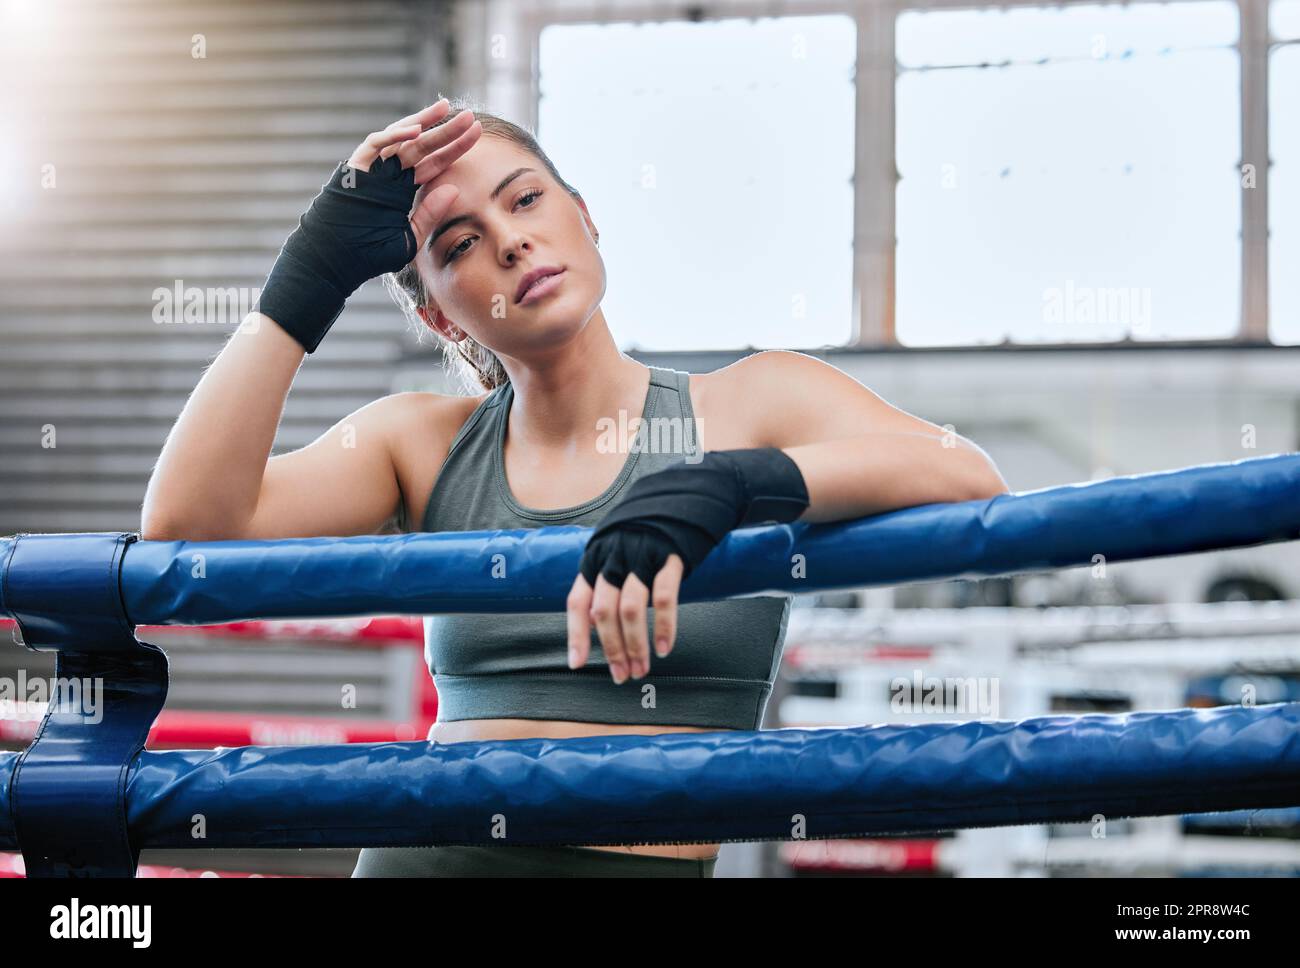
(558, 328)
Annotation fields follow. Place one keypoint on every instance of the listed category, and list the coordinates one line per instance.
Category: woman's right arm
(215, 479)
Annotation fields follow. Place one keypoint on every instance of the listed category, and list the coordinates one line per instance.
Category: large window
(717, 161)
(1069, 174)
(1284, 177)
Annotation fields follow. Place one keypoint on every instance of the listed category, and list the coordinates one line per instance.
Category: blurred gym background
(1067, 231)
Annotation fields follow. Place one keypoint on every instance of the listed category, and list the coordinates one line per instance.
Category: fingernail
(573, 657)
(661, 647)
(620, 672)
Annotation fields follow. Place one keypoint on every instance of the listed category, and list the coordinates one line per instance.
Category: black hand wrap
(356, 228)
(687, 509)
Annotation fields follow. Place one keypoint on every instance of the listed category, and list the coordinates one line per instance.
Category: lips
(533, 276)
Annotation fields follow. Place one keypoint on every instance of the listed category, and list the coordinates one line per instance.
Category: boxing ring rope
(84, 799)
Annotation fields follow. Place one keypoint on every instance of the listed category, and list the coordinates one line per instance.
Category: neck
(560, 399)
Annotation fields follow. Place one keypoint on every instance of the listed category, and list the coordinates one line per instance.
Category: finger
(435, 163)
(376, 141)
(604, 612)
(424, 118)
(413, 151)
(577, 606)
(433, 138)
(667, 584)
(430, 210)
(632, 623)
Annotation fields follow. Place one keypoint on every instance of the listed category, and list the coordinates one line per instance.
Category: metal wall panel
(142, 164)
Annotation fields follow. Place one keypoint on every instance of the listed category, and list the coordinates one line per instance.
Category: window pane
(1071, 176)
(1284, 196)
(716, 159)
(1284, 20)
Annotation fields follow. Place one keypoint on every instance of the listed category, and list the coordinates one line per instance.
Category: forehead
(478, 170)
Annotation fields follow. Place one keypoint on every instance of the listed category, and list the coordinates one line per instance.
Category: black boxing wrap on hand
(688, 508)
(356, 228)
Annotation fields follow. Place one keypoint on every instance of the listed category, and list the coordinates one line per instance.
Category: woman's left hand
(665, 525)
(621, 619)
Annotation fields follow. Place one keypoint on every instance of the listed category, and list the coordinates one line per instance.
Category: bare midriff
(479, 730)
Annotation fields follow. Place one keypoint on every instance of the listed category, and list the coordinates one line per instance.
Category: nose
(517, 246)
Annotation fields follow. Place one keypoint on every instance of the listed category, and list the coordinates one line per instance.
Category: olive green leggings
(499, 861)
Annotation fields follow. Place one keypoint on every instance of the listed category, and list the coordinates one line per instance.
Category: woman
(488, 248)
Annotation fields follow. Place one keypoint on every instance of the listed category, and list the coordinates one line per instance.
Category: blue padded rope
(718, 786)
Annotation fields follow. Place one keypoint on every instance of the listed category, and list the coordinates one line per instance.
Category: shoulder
(418, 415)
(764, 368)
(740, 394)
(418, 428)
(782, 398)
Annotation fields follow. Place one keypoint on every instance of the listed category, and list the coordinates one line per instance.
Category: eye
(455, 251)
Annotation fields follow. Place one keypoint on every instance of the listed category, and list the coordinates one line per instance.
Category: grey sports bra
(514, 666)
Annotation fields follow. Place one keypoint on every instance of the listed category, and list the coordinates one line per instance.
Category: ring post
(68, 788)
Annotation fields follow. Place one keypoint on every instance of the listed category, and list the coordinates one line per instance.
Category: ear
(436, 321)
(586, 215)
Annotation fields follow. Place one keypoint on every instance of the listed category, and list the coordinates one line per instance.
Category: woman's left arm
(856, 454)
(859, 455)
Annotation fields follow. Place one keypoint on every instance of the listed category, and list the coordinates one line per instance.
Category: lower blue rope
(719, 786)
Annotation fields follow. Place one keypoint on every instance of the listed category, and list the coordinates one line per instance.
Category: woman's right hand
(370, 218)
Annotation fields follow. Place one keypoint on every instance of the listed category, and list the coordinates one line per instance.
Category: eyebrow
(453, 222)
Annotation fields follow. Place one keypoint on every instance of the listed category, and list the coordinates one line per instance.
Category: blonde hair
(477, 366)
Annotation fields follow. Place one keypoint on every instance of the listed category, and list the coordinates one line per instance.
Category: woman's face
(477, 256)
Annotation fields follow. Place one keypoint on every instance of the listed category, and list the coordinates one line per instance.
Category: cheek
(486, 303)
(465, 294)
(594, 274)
